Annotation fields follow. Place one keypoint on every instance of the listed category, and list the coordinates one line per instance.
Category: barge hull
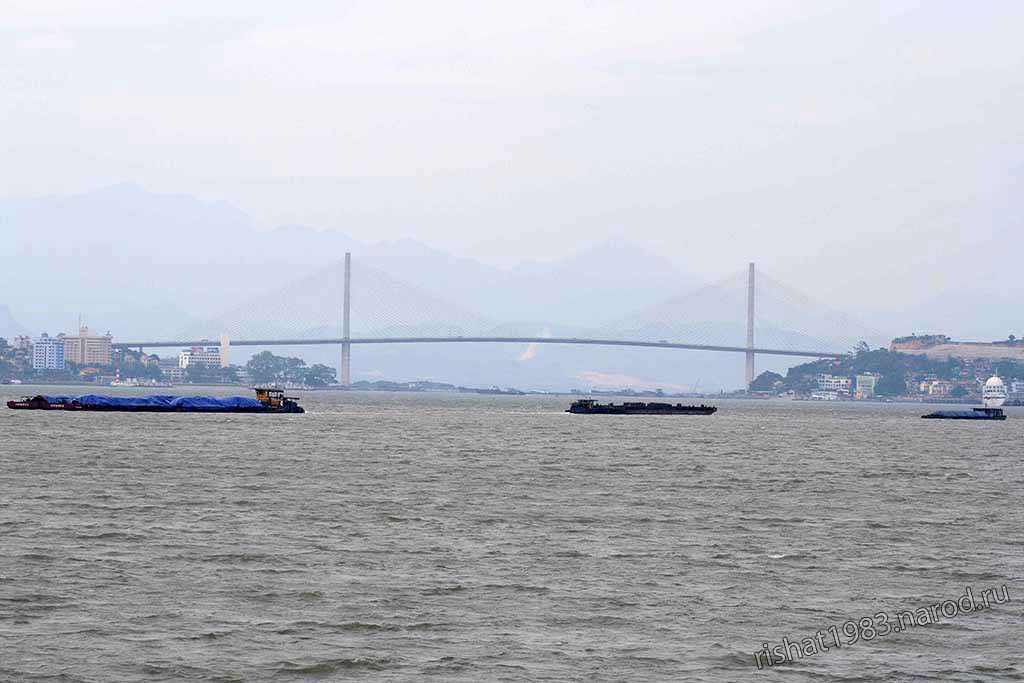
(973, 414)
(276, 403)
(591, 407)
(23, 405)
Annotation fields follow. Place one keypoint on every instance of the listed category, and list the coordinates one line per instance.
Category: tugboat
(266, 401)
(589, 406)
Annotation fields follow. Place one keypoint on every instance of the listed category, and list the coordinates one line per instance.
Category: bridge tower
(346, 347)
(225, 350)
(750, 326)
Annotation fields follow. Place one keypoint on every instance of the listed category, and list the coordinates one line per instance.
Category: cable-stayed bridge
(348, 304)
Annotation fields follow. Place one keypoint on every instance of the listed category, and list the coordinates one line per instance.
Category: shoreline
(472, 391)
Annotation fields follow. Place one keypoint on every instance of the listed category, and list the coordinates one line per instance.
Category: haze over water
(467, 538)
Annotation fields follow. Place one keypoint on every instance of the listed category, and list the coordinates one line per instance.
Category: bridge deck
(497, 340)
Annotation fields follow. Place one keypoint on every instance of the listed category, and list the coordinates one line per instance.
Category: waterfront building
(866, 385)
(209, 356)
(824, 396)
(940, 387)
(834, 383)
(48, 353)
(1017, 389)
(173, 374)
(87, 348)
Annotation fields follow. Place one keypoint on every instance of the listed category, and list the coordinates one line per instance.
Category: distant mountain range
(167, 260)
(143, 264)
(9, 327)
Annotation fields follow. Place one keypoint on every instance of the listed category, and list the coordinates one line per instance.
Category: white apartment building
(1016, 388)
(198, 355)
(48, 353)
(834, 383)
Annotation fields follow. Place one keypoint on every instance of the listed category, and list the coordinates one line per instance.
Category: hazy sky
(796, 133)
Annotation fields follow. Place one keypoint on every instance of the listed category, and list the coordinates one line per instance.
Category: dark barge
(589, 406)
(266, 401)
(972, 414)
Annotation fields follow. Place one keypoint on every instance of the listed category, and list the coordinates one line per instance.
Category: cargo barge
(972, 414)
(266, 401)
(589, 406)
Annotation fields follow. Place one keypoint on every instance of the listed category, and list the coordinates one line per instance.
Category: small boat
(589, 406)
(972, 414)
(266, 401)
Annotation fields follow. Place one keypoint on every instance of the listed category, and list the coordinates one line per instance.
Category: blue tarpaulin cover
(196, 403)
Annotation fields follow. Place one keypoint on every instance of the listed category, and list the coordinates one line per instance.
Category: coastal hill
(897, 373)
(941, 346)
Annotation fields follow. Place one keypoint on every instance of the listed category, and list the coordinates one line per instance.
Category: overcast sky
(788, 132)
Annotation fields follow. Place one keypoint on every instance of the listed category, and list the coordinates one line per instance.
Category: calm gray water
(462, 538)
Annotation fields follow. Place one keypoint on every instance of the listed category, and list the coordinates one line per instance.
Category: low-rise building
(209, 356)
(48, 353)
(1017, 389)
(173, 374)
(824, 396)
(866, 384)
(834, 383)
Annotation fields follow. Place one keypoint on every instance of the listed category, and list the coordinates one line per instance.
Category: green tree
(265, 367)
(152, 371)
(6, 360)
(891, 385)
(1008, 369)
(294, 369)
(319, 375)
(229, 374)
(767, 381)
(199, 374)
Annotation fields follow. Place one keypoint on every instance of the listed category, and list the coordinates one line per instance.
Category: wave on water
(331, 666)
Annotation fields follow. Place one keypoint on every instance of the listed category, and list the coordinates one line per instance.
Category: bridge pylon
(346, 344)
(750, 327)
